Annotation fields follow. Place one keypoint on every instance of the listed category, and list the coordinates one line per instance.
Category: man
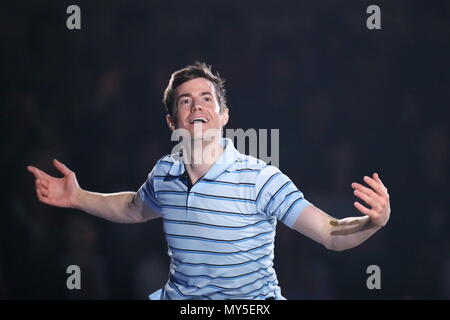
(219, 207)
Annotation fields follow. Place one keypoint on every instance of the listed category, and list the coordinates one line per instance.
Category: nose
(196, 106)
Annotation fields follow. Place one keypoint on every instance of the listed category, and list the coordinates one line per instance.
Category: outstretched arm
(342, 234)
(65, 192)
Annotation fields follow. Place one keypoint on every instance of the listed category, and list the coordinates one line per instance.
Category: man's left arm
(342, 234)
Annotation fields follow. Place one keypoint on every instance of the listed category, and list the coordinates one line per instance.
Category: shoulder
(268, 172)
(163, 166)
(244, 161)
(166, 160)
(262, 172)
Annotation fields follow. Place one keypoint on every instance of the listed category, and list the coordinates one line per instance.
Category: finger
(39, 174)
(377, 178)
(42, 196)
(364, 189)
(384, 192)
(41, 189)
(43, 183)
(368, 200)
(44, 193)
(374, 185)
(61, 167)
(34, 171)
(362, 209)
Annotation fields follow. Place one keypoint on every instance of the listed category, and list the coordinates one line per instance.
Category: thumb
(61, 167)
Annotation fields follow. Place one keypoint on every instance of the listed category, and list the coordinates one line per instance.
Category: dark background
(348, 102)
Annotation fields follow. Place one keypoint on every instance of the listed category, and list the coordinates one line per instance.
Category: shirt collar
(226, 159)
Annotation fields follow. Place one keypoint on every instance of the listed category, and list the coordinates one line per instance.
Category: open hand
(376, 196)
(60, 192)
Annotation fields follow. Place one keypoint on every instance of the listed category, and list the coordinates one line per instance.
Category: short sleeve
(148, 194)
(277, 196)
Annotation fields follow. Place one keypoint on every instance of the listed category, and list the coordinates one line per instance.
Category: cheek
(181, 117)
(217, 118)
(216, 113)
(181, 123)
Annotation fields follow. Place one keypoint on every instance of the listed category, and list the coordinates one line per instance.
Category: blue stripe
(262, 295)
(266, 183)
(226, 213)
(172, 192)
(216, 240)
(254, 281)
(285, 199)
(206, 225)
(231, 184)
(250, 292)
(168, 177)
(222, 277)
(243, 170)
(184, 295)
(220, 253)
(274, 282)
(173, 285)
(221, 212)
(276, 193)
(223, 198)
(237, 265)
(290, 208)
(174, 207)
(213, 286)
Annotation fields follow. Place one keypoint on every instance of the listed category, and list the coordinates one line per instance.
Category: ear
(224, 117)
(170, 122)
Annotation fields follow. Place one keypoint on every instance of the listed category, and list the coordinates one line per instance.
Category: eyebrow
(189, 95)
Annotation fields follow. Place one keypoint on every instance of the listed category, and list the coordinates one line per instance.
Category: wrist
(77, 199)
(378, 223)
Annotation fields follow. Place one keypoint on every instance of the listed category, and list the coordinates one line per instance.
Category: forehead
(195, 86)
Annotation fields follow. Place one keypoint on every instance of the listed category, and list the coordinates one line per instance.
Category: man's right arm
(122, 207)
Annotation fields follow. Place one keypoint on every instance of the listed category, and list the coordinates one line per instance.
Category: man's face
(197, 107)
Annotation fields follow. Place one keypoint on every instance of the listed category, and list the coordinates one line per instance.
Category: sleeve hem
(295, 212)
(148, 202)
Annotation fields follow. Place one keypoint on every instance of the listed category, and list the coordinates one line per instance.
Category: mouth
(199, 120)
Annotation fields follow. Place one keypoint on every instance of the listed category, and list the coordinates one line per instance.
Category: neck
(199, 156)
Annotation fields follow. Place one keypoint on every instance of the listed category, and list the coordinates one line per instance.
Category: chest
(227, 201)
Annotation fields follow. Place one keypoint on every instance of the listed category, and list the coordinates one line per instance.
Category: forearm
(350, 232)
(115, 207)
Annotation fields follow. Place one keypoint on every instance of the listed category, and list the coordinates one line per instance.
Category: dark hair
(197, 70)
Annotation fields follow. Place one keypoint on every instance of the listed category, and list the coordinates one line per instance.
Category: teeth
(199, 119)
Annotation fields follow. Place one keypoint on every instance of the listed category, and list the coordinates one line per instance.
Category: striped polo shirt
(220, 231)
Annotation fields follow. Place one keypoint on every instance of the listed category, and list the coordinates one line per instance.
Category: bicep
(315, 224)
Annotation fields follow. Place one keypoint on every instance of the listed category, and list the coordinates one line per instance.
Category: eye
(207, 99)
(184, 101)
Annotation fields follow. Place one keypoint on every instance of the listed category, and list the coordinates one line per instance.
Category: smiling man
(219, 207)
